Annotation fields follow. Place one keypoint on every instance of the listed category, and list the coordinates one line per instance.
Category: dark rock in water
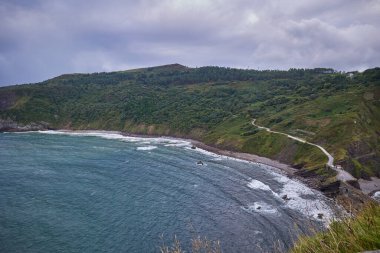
(258, 208)
(200, 163)
(285, 197)
(320, 215)
(193, 147)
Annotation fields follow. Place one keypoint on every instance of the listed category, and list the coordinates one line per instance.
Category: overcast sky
(40, 39)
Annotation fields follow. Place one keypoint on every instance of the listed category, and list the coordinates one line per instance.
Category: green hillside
(215, 105)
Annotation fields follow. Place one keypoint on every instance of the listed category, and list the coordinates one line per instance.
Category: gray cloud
(42, 39)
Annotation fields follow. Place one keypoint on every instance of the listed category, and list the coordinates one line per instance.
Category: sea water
(104, 192)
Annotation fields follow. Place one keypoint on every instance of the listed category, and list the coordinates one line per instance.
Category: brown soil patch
(369, 96)
(319, 122)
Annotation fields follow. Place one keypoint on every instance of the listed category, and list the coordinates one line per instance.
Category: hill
(215, 105)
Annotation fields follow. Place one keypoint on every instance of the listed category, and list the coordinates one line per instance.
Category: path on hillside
(342, 174)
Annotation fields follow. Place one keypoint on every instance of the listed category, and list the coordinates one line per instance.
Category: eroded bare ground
(370, 186)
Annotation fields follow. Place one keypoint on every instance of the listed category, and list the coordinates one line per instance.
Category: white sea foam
(205, 152)
(296, 192)
(146, 148)
(256, 184)
(184, 144)
(217, 157)
(117, 136)
(260, 207)
(376, 196)
(298, 196)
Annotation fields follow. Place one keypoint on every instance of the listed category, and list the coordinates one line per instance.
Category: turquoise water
(109, 193)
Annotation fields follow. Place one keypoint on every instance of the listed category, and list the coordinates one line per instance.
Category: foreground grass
(349, 235)
(198, 245)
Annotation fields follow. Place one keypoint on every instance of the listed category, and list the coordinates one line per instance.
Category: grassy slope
(338, 122)
(216, 105)
(357, 234)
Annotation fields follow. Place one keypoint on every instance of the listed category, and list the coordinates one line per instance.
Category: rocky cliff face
(7, 99)
(11, 126)
(362, 160)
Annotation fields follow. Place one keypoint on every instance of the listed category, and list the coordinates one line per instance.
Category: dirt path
(342, 174)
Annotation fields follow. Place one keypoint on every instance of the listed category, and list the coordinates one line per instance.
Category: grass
(198, 245)
(358, 234)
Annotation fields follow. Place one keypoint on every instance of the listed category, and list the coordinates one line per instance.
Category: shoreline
(274, 165)
(367, 187)
(285, 168)
(288, 170)
(310, 181)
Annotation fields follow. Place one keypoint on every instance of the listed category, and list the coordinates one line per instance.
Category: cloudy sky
(40, 39)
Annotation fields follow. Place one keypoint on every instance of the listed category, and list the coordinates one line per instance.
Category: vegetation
(357, 234)
(198, 245)
(215, 105)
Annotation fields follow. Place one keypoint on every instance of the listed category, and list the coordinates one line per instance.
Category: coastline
(333, 190)
(284, 168)
(313, 182)
(367, 187)
(274, 165)
(336, 190)
(288, 170)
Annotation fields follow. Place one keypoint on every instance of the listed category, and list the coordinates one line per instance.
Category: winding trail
(342, 174)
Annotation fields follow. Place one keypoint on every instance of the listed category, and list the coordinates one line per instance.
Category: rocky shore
(346, 194)
(11, 126)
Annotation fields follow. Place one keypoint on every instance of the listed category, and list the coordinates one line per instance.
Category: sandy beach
(247, 157)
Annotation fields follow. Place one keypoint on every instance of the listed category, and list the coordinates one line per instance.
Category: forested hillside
(340, 111)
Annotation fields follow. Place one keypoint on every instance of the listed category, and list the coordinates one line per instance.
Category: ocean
(104, 192)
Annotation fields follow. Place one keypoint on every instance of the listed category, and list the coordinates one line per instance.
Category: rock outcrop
(11, 126)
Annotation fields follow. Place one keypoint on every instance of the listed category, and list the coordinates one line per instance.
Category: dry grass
(198, 245)
(357, 234)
